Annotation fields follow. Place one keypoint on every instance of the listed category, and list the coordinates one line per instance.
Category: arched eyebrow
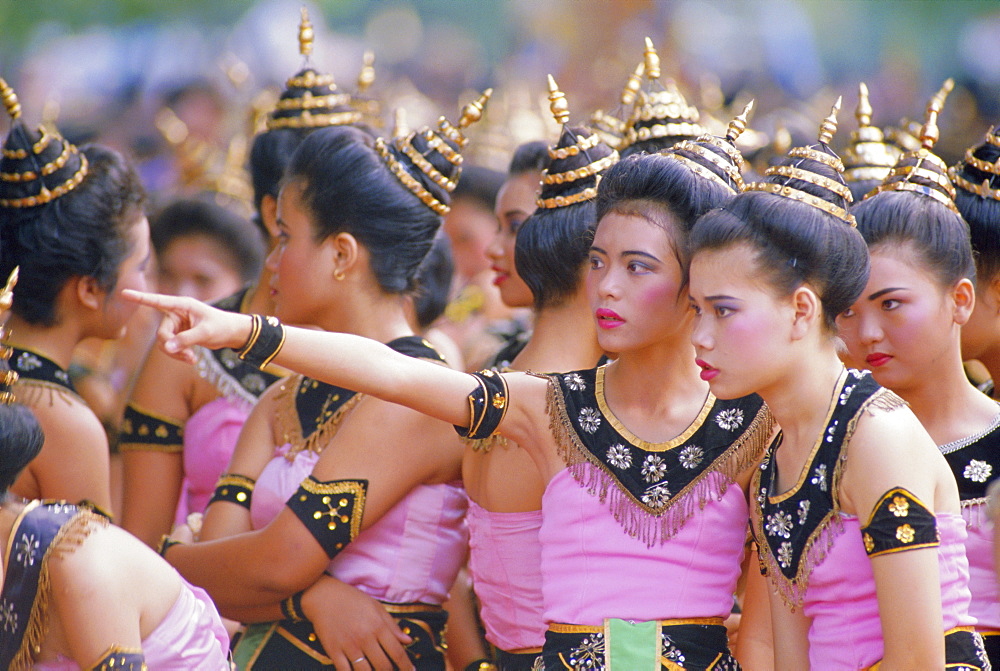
(883, 292)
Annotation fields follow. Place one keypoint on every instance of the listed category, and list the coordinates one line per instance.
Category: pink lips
(707, 372)
(608, 319)
(877, 359)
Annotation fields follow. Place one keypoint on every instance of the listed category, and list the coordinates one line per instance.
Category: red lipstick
(500, 276)
(877, 359)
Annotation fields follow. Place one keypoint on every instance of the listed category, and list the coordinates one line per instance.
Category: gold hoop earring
(338, 274)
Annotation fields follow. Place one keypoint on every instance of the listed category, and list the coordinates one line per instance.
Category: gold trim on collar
(636, 441)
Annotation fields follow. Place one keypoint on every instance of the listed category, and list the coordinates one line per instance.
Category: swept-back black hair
(83, 233)
(795, 243)
(939, 236)
(434, 282)
(663, 191)
(270, 154)
(552, 243)
(529, 157)
(189, 217)
(349, 188)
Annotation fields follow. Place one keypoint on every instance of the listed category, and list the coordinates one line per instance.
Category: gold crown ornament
(921, 171)
(868, 156)
(311, 99)
(660, 111)
(414, 151)
(37, 165)
(707, 163)
(836, 197)
(363, 101)
(975, 173)
(577, 160)
(609, 126)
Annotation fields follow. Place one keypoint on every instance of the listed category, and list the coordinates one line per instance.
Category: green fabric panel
(632, 646)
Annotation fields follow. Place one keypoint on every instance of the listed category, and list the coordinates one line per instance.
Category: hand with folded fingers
(355, 630)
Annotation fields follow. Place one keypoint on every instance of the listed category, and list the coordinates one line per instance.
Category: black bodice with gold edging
(975, 461)
(309, 411)
(644, 482)
(38, 374)
(794, 529)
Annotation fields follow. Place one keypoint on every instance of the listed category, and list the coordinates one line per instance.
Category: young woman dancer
(379, 505)
(182, 422)
(78, 593)
(73, 221)
(515, 203)
(977, 196)
(644, 468)
(906, 328)
(852, 473)
(204, 250)
(543, 253)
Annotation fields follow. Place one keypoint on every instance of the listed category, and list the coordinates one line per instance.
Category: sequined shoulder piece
(40, 380)
(44, 529)
(795, 529)
(652, 489)
(309, 412)
(233, 378)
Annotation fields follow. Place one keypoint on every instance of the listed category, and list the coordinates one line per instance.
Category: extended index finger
(161, 302)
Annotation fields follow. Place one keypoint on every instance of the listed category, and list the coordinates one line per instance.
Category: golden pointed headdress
(37, 166)
(311, 99)
(979, 171)
(868, 156)
(363, 101)
(433, 153)
(578, 161)
(781, 180)
(922, 171)
(609, 126)
(660, 111)
(725, 169)
(7, 376)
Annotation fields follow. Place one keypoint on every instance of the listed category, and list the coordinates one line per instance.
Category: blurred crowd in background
(181, 86)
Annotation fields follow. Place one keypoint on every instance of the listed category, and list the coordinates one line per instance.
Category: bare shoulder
(529, 395)
(401, 435)
(70, 424)
(889, 448)
(889, 434)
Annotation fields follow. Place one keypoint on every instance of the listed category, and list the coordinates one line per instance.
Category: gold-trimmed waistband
(562, 628)
(954, 630)
(524, 651)
(988, 632)
(403, 608)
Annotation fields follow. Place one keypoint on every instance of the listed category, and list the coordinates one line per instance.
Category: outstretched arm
(356, 363)
(349, 361)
